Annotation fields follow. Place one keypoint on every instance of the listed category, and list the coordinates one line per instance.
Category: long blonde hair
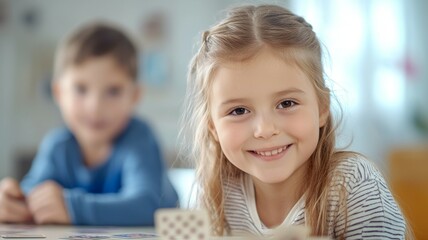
(243, 32)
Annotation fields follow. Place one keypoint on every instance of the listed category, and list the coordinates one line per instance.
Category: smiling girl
(263, 138)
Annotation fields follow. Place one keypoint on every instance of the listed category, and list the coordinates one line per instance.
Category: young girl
(263, 140)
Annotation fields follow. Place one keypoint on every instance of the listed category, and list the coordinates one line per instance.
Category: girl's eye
(239, 111)
(286, 104)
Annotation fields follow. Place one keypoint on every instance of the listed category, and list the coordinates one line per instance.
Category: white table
(60, 231)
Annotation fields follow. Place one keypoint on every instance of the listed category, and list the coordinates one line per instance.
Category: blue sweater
(124, 190)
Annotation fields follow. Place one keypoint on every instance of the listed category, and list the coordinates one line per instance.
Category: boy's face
(96, 99)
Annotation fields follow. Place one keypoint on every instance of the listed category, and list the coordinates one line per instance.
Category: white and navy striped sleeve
(372, 211)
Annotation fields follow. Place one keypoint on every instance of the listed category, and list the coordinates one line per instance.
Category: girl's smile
(270, 154)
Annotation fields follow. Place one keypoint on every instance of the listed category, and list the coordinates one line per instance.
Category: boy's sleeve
(145, 188)
(43, 166)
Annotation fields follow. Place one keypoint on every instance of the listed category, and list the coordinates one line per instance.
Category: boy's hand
(13, 208)
(46, 202)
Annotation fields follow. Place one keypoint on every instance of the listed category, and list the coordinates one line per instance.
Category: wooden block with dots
(183, 224)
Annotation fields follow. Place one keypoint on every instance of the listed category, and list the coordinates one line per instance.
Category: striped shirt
(372, 211)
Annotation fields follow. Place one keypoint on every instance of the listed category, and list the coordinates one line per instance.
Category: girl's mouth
(270, 154)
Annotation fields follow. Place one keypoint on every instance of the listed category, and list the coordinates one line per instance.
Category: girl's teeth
(271, 153)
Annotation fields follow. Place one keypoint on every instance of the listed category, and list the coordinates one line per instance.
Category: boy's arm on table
(42, 167)
(43, 195)
(12, 203)
(145, 188)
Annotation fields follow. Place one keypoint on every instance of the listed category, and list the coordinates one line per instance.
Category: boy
(105, 167)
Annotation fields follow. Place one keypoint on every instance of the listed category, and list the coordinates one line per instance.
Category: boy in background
(105, 167)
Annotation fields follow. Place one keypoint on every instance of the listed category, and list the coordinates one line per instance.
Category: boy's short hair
(97, 40)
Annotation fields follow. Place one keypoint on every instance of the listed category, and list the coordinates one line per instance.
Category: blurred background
(376, 61)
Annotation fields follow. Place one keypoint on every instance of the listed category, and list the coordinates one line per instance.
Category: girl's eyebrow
(276, 94)
(233, 100)
(289, 91)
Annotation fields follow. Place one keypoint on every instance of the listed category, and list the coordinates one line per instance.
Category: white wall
(6, 90)
(417, 48)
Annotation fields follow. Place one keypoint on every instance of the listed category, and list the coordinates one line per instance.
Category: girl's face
(265, 116)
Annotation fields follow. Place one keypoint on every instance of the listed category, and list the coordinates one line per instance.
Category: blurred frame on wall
(154, 59)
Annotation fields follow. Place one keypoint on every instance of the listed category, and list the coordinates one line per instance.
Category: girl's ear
(324, 116)
(212, 130)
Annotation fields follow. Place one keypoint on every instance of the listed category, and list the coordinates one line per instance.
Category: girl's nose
(265, 127)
